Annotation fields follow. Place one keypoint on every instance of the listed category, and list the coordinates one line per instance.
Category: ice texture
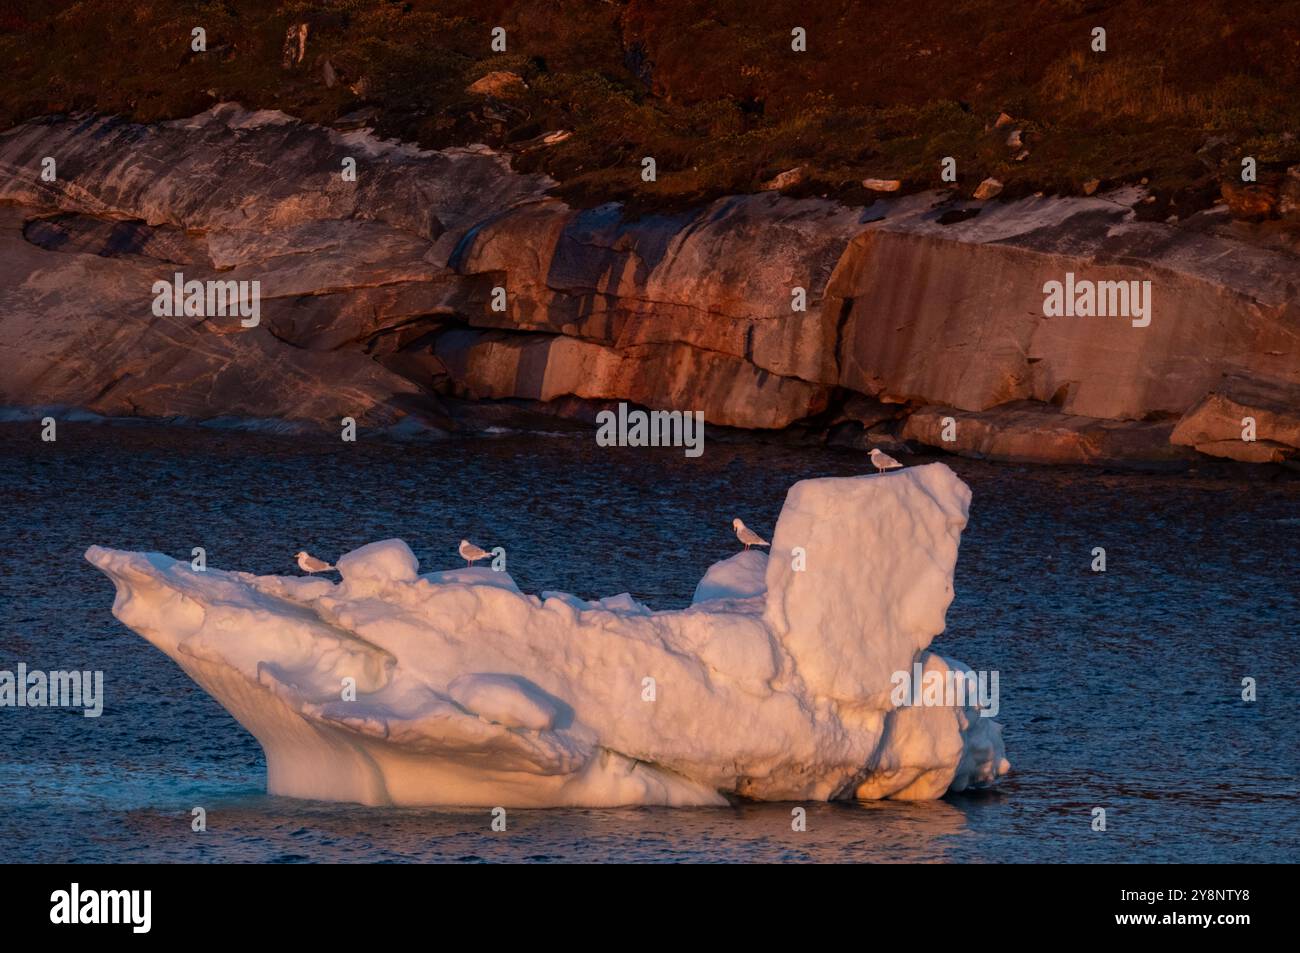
(456, 688)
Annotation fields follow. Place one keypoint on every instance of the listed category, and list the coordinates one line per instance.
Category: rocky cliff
(917, 318)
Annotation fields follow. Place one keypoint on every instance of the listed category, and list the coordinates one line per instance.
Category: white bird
(883, 461)
(471, 553)
(747, 535)
(311, 564)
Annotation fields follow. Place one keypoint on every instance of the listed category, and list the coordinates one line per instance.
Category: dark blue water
(1118, 690)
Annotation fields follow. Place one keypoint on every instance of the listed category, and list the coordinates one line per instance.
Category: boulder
(784, 180)
(1038, 433)
(1275, 195)
(1252, 202)
(502, 84)
(1219, 424)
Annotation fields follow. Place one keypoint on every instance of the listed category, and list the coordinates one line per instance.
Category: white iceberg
(455, 688)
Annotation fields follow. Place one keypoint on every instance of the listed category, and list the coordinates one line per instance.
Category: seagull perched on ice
(471, 553)
(310, 564)
(747, 535)
(883, 461)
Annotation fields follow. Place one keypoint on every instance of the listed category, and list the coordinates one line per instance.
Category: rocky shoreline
(923, 317)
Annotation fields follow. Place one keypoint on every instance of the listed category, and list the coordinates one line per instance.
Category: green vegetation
(713, 90)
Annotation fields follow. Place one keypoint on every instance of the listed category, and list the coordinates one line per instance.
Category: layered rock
(728, 390)
(954, 314)
(1038, 433)
(440, 275)
(236, 196)
(1243, 421)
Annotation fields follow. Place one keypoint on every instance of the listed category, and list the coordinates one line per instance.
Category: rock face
(729, 390)
(972, 334)
(343, 266)
(437, 275)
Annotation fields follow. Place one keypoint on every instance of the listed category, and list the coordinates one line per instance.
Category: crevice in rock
(77, 233)
(955, 215)
(99, 395)
(428, 324)
(841, 321)
(279, 336)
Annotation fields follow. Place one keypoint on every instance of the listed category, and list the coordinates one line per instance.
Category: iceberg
(457, 689)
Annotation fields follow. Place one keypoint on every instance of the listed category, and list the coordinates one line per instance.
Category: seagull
(883, 461)
(747, 535)
(310, 564)
(471, 553)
